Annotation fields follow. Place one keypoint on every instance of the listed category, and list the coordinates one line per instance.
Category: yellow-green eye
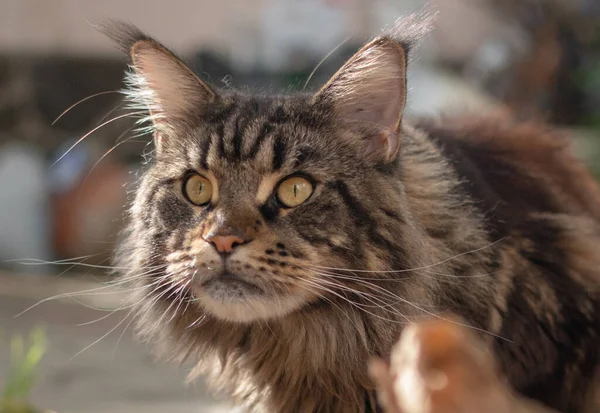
(294, 191)
(198, 190)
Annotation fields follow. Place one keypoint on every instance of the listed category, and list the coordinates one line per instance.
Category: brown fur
(555, 181)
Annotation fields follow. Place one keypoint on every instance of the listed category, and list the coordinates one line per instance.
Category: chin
(235, 305)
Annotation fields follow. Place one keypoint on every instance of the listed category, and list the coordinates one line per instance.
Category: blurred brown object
(533, 86)
(440, 366)
(536, 56)
(87, 218)
(543, 81)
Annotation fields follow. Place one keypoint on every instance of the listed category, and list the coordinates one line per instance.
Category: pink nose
(224, 243)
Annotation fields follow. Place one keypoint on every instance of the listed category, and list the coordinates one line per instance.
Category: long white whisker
(120, 338)
(34, 261)
(377, 302)
(178, 299)
(92, 291)
(104, 317)
(94, 130)
(108, 152)
(168, 290)
(81, 101)
(416, 268)
(323, 61)
(430, 313)
(98, 340)
(318, 292)
(354, 304)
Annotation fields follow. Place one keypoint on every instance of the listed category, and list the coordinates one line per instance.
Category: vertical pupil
(200, 186)
(295, 190)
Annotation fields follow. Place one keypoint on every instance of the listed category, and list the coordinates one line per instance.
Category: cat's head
(257, 205)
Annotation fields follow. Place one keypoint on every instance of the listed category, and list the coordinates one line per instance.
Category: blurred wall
(255, 32)
(63, 26)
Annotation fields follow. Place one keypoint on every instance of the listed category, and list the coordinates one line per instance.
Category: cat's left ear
(368, 93)
(160, 81)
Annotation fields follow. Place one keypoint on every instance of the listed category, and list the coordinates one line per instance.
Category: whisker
(92, 291)
(160, 320)
(37, 261)
(381, 303)
(83, 100)
(198, 321)
(444, 277)
(416, 268)
(104, 317)
(317, 292)
(323, 61)
(354, 304)
(430, 313)
(109, 151)
(100, 339)
(178, 299)
(94, 130)
(119, 340)
(120, 105)
(91, 307)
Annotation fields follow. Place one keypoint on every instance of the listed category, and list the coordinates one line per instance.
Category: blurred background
(63, 203)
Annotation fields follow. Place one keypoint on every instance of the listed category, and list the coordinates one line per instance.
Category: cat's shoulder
(522, 166)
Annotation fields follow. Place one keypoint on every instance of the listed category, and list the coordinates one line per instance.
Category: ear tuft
(123, 34)
(159, 82)
(368, 93)
(411, 29)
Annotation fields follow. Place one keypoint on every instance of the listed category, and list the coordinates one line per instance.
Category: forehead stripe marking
(205, 151)
(265, 131)
(237, 140)
(221, 138)
(279, 152)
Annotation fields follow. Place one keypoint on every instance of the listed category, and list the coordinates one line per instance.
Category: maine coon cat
(281, 241)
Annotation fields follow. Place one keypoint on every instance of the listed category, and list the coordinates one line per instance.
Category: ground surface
(116, 376)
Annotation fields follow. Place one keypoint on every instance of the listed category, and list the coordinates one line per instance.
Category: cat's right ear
(160, 81)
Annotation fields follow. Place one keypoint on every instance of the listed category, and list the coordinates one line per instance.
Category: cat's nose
(224, 243)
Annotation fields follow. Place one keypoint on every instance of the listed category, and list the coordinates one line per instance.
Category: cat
(281, 241)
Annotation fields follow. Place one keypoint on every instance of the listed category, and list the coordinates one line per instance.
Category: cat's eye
(294, 191)
(198, 190)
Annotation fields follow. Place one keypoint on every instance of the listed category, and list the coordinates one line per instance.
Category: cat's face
(256, 206)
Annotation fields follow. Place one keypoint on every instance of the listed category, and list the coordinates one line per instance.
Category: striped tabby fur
(478, 216)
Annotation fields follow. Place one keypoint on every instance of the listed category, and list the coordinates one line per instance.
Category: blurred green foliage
(26, 355)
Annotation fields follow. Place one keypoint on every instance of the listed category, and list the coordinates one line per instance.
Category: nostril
(224, 243)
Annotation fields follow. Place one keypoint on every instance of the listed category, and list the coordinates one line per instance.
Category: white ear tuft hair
(158, 81)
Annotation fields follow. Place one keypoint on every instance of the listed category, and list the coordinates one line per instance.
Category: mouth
(231, 297)
(228, 286)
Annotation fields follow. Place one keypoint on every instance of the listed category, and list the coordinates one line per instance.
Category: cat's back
(513, 170)
(542, 202)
